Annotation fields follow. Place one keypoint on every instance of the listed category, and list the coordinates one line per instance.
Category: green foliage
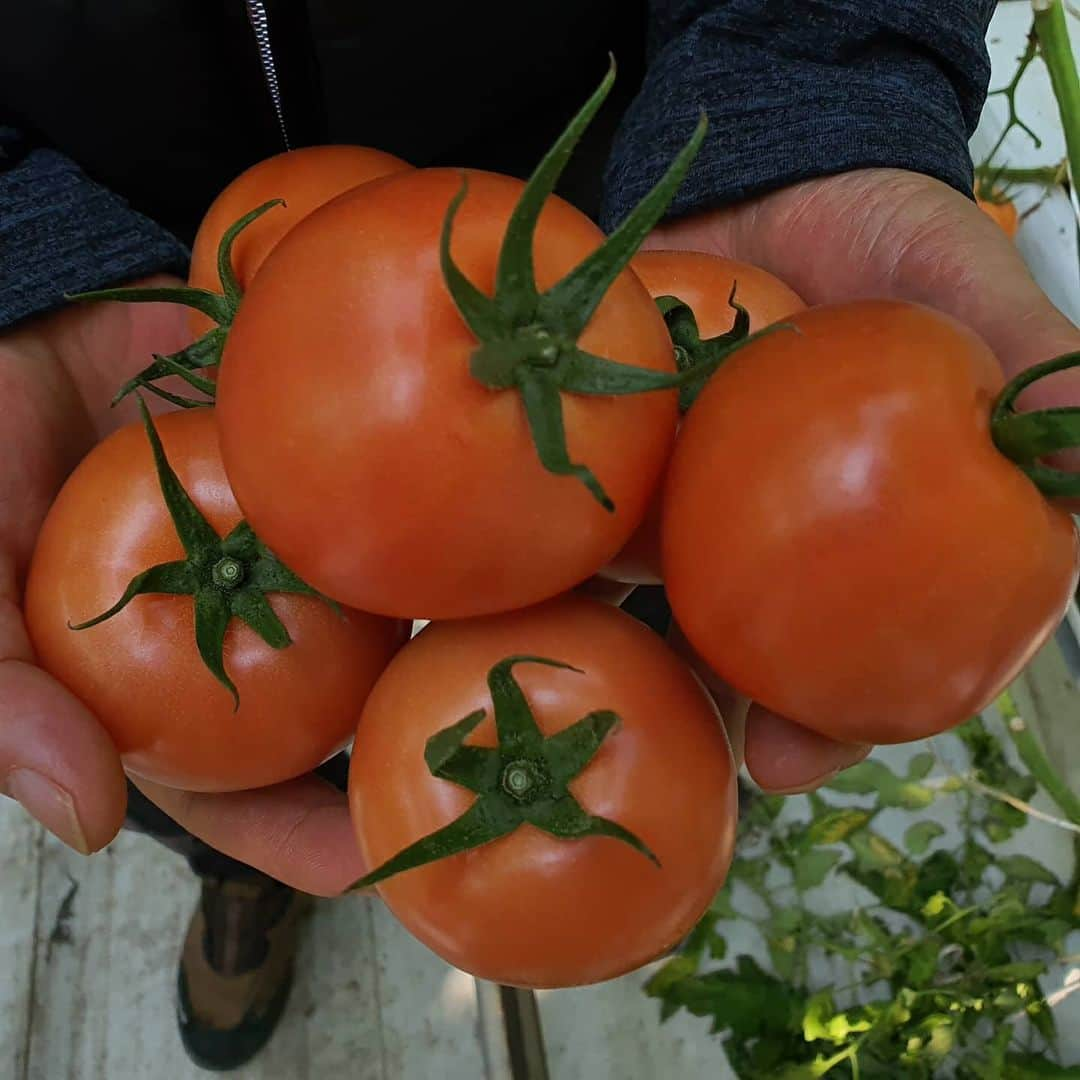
(935, 974)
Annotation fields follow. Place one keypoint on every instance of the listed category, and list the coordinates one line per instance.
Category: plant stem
(1034, 757)
(1039, 174)
(1052, 32)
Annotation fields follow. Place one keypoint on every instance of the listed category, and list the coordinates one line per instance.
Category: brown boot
(236, 969)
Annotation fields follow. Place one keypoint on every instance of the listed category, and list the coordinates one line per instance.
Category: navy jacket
(121, 119)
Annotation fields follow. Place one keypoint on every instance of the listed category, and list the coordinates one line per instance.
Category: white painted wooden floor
(88, 951)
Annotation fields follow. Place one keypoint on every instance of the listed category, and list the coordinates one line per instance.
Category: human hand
(57, 376)
(876, 233)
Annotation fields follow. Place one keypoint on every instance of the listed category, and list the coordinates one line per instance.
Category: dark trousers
(647, 604)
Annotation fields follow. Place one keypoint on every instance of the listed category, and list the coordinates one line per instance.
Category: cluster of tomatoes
(445, 396)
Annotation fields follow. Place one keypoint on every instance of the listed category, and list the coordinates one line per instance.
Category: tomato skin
(1002, 212)
(305, 178)
(876, 570)
(530, 909)
(140, 671)
(704, 282)
(381, 470)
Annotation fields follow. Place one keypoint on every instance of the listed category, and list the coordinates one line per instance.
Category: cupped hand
(876, 233)
(57, 376)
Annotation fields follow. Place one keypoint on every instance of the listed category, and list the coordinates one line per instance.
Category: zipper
(260, 25)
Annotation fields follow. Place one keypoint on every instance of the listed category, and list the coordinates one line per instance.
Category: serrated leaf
(748, 1001)
(1024, 868)
(919, 836)
(837, 825)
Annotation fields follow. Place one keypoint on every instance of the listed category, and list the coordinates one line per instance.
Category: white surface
(91, 997)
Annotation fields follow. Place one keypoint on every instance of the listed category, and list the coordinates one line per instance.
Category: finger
(731, 705)
(298, 832)
(785, 758)
(56, 759)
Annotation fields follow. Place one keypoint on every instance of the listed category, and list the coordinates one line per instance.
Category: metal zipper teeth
(260, 25)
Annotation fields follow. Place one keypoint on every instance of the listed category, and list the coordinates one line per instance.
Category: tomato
(1002, 211)
(530, 909)
(379, 468)
(842, 540)
(140, 671)
(305, 178)
(704, 282)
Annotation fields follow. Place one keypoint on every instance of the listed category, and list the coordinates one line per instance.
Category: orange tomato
(704, 282)
(842, 540)
(379, 468)
(1002, 211)
(530, 909)
(305, 178)
(140, 671)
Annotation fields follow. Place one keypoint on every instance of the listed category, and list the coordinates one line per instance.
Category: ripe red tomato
(140, 671)
(842, 540)
(530, 909)
(305, 178)
(366, 454)
(703, 282)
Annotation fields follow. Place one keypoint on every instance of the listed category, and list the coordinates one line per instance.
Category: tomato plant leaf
(812, 867)
(1037, 1067)
(918, 837)
(837, 825)
(920, 765)
(1025, 868)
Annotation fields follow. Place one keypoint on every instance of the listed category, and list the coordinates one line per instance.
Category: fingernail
(50, 804)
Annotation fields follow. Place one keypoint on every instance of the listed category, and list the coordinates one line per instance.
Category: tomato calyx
(205, 351)
(227, 576)
(524, 779)
(694, 356)
(1025, 437)
(528, 339)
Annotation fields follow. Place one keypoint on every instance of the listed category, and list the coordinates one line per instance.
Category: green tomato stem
(1026, 437)
(1052, 33)
(1034, 757)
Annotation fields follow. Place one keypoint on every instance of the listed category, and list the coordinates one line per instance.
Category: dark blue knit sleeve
(797, 89)
(62, 233)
